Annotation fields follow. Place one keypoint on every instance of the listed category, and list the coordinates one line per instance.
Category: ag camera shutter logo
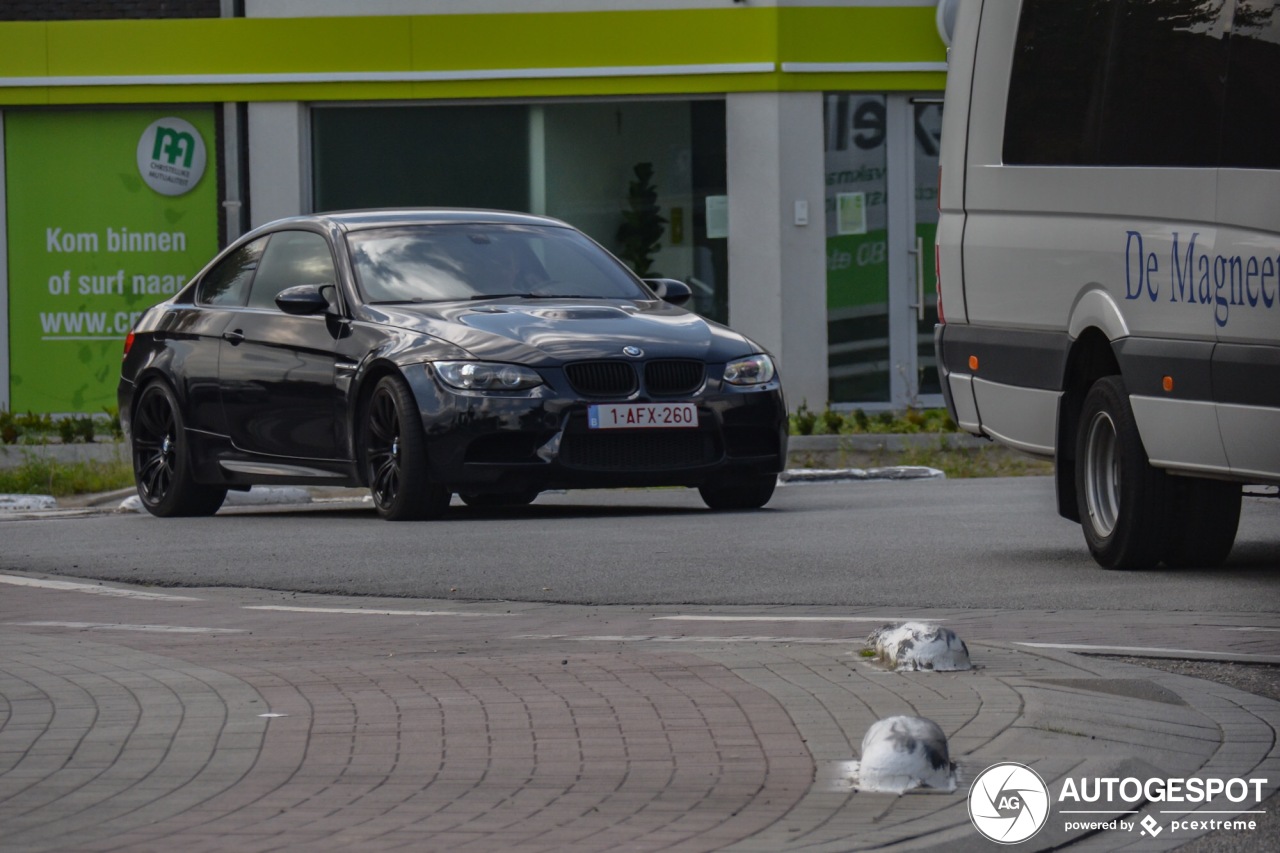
(1008, 803)
(171, 156)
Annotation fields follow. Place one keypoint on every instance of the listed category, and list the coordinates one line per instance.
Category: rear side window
(292, 258)
(1253, 87)
(228, 282)
(1127, 82)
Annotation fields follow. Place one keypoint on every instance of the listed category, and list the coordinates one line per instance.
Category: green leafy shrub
(803, 421)
(832, 422)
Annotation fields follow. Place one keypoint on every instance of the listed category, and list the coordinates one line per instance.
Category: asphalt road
(994, 543)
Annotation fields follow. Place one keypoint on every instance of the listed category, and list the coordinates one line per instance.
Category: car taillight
(128, 344)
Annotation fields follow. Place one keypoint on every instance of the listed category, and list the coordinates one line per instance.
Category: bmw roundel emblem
(632, 352)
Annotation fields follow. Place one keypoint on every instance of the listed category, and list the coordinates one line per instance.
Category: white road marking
(93, 589)
(357, 611)
(1082, 647)
(657, 638)
(111, 626)
(696, 618)
(1272, 630)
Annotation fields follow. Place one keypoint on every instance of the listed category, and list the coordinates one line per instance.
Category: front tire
(750, 492)
(493, 500)
(1203, 518)
(162, 459)
(1122, 500)
(395, 455)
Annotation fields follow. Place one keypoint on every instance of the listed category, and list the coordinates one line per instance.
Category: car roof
(354, 220)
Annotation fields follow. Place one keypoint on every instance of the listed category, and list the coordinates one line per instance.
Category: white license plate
(642, 416)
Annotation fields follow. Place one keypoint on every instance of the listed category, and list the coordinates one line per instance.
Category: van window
(1118, 83)
(1253, 87)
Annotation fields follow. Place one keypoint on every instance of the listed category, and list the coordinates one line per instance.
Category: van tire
(1123, 501)
(1203, 518)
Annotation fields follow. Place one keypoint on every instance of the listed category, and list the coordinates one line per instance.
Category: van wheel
(1122, 499)
(1203, 518)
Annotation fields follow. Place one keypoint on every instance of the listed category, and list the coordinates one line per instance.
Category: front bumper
(540, 439)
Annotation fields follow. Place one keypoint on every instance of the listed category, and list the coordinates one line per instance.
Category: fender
(1095, 308)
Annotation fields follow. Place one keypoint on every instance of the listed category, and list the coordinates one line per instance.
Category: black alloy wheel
(395, 455)
(161, 461)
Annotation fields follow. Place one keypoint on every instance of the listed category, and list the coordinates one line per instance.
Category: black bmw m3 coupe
(423, 353)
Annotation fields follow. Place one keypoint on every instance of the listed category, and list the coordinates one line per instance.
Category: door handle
(233, 337)
(918, 305)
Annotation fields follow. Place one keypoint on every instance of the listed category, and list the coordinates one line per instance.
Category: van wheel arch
(1091, 358)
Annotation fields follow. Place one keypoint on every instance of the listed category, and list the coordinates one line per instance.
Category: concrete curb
(794, 476)
(13, 455)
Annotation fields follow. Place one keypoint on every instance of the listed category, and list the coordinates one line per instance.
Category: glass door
(881, 178)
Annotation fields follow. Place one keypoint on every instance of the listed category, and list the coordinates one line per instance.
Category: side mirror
(670, 290)
(303, 300)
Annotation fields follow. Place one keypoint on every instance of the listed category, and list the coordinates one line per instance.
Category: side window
(292, 258)
(1253, 94)
(1117, 83)
(228, 282)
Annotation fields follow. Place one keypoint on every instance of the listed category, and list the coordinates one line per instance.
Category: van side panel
(1246, 364)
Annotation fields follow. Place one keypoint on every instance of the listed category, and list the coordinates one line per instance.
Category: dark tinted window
(292, 258)
(1253, 88)
(228, 282)
(1117, 83)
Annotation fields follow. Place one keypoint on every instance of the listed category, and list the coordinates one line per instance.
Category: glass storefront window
(588, 163)
(881, 164)
(857, 247)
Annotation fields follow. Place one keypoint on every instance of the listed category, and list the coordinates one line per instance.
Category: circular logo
(633, 352)
(1008, 802)
(171, 156)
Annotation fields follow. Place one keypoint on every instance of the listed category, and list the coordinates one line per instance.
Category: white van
(1109, 258)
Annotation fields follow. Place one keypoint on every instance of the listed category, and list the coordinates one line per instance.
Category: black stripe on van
(1232, 374)
(1025, 359)
(1247, 375)
(1145, 362)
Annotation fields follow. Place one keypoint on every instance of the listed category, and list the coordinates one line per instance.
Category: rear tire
(750, 492)
(162, 459)
(1123, 501)
(1203, 518)
(394, 450)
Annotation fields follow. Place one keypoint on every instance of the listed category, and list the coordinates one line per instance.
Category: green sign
(109, 212)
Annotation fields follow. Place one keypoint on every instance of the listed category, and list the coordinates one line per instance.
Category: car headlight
(752, 370)
(486, 376)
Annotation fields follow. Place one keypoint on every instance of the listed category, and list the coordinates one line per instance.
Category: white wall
(777, 268)
(279, 171)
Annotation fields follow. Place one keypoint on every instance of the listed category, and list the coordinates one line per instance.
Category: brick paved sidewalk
(212, 720)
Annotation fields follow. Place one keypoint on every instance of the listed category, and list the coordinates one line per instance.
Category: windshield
(435, 263)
